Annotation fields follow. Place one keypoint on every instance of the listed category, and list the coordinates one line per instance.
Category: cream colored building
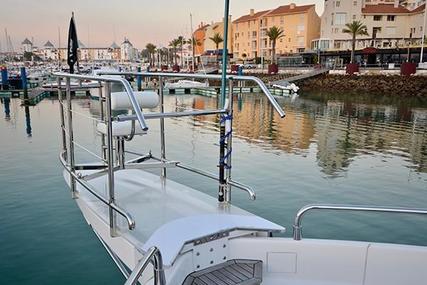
(211, 30)
(300, 24)
(390, 24)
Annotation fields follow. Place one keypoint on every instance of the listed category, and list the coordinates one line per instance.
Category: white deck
(162, 210)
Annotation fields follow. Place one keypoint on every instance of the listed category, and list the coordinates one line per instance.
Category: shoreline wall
(386, 85)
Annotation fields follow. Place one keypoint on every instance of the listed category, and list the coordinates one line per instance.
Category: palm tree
(151, 50)
(194, 42)
(355, 28)
(181, 40)
(274, 33)
(217, 39)
(174, 45)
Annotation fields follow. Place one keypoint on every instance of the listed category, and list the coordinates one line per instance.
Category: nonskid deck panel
(232, 272)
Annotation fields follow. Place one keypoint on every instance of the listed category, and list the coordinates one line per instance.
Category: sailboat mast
(192, 41)
(59, 49)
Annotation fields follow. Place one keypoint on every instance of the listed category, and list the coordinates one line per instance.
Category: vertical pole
(229, 135)
(110, 158)
(70, 157)
(222, 182)
(162, 127)
(224, 52)
(139, 80)
(4, 79)
(102, 111)
(424, 33)
(24, 82)
(61, 112)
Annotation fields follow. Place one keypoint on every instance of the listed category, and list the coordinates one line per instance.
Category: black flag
(73, 45)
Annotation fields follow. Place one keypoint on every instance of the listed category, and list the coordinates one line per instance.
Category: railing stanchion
(70, 156)
(102, 115)
(110, 158)
(229, 141)
(61, 112)
(162, 127)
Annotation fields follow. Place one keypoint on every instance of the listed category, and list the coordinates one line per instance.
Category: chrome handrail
(123, 213)
(124, 82)
(152, 255)
(297, 228)
(208, 76)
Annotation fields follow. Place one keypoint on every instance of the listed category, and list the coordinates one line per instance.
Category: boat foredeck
(168, 214)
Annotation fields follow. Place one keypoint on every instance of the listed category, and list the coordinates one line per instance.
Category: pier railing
(113, 150)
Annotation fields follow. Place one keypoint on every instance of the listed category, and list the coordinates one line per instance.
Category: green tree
(274, 33)
(194, 42)
(181, 41)
(151, 49)
(217, 39)
(174, 44)
(355, 28)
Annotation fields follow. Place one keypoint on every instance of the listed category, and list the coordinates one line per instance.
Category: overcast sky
(100, 22)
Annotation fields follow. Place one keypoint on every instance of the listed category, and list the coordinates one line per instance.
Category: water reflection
(336, 131)
(6, 103)
(28, 121)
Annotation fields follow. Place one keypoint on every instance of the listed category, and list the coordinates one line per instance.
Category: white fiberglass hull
(284, 260)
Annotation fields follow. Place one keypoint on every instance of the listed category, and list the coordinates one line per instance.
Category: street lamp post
(424, 33)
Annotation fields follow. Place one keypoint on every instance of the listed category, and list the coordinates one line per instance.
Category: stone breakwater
(394, 85)
(384, 85)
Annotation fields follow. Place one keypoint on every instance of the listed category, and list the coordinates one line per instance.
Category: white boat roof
(169, 215)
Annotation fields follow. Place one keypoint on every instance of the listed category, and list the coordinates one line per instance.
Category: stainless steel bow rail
(113, 150)
(297, 228)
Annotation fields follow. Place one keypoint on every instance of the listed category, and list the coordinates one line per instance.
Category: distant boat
(186, 84)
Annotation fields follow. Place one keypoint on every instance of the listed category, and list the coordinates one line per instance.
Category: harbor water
(329, 149)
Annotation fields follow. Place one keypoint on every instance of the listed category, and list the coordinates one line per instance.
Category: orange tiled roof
(384, 8)
(248, 17)
(286, 9)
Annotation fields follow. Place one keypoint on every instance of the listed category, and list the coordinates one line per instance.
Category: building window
(300, 41)
(337, 4)
(254, 34)
(332, 19)
(375, 32)
(377, 17)
(337, 45)
(282, 20)
(300, 28)
(354, 17)
(340, 18)
(390, 18)
(354, 3)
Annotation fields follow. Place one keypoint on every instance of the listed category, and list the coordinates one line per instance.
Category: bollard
(24, 84)
(4, 79)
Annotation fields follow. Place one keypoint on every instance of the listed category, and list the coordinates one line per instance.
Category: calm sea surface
(329, 149)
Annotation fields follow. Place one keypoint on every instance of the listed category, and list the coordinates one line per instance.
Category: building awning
(369, 50)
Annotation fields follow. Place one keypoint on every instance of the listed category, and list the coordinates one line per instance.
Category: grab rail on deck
(207, 76)
(152, 255)
(123, 213)
(123, 81)
(297, 228)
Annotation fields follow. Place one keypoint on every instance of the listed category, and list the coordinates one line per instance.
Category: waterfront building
(391, 24)
(49, 52)
(200, 36)
(127, 51)
(27, 46)
(217, 28)
(301, 25)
